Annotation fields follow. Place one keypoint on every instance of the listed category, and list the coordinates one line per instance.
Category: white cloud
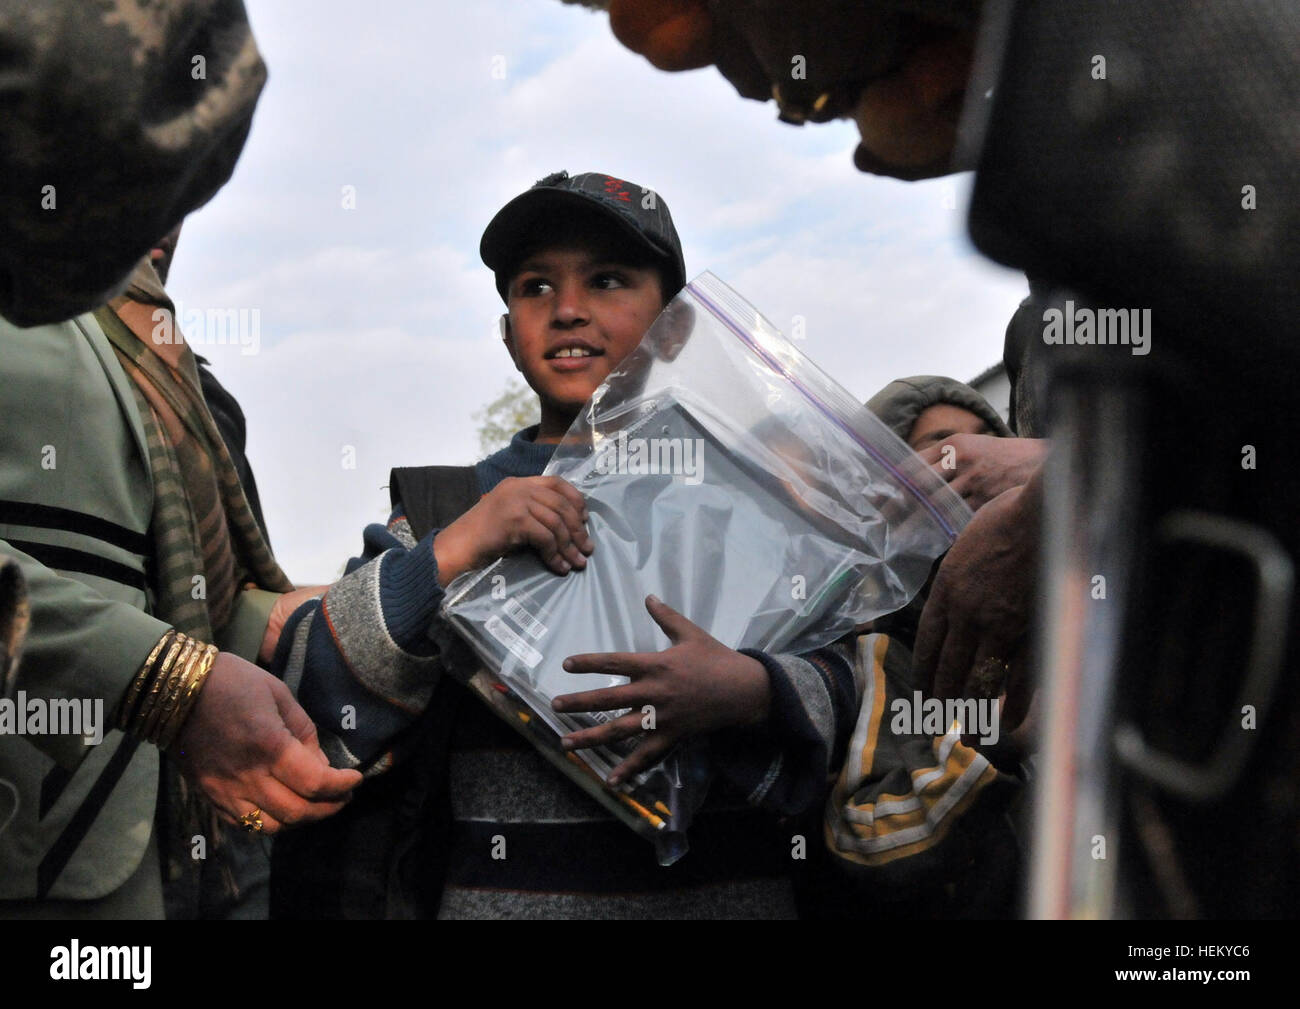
(330, 412)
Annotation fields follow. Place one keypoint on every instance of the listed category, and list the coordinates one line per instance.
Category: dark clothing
(1023, 356)
(226, 412)
(1146, 198)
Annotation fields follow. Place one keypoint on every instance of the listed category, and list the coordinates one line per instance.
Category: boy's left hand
(695, 686)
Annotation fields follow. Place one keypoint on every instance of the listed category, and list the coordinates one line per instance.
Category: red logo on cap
(614, 188)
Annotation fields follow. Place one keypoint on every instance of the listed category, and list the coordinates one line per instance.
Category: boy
(984, 457)
(584, 265)
(921, 824)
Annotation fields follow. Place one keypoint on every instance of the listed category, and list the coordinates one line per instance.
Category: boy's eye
(532, 286)
(609, 280)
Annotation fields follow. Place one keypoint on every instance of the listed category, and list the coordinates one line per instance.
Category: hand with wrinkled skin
(977, 615)
(546, 513)
(986, 465)
(249, 745)
(697, 685)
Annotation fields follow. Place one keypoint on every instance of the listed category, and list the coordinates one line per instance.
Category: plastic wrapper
(728, 475)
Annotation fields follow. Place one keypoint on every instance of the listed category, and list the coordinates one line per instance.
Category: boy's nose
(571, 307)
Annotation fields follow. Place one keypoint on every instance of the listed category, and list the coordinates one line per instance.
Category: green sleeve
(80, 644)
(243, 634)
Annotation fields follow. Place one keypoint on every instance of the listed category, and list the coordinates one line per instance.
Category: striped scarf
(207, 543)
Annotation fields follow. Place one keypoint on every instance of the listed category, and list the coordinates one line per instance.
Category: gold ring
(988, 679)
(251, 822)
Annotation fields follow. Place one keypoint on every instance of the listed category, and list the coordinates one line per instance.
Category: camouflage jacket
(117, 118)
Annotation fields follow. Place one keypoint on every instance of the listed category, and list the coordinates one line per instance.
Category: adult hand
(973, 635)
(1017, 734)
(697, 685)
(249, 745)
(280, 613)
(546, 513)
(979, 467)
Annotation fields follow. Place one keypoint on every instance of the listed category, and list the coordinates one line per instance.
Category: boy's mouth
(572, 355)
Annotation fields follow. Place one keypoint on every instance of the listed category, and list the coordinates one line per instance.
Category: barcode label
(533, 627)
(516, 645)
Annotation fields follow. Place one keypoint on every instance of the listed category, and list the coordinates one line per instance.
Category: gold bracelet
(171, 691)
(171, 695)
(189, 697)
(151, 683)
(169, 683)
(141, 678)
(164, 669)
(188, 694)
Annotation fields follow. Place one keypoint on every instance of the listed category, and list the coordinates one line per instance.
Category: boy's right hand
(546, 513)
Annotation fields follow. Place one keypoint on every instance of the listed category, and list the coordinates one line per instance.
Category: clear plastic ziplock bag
(728, 475)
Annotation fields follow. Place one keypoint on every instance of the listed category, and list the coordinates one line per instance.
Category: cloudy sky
(377, 324)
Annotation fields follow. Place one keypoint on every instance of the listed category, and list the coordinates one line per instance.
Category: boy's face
(943, 420)
(574, 314)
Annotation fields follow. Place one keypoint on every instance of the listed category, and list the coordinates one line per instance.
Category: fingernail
(565, 566)
(566, 743)
(568, 665)
(653, 599)
(614, 779)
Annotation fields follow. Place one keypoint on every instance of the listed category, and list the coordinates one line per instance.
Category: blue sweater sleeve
(359, 658)
(786, 765)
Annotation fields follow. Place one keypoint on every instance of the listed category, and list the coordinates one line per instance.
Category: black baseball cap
(637, 211)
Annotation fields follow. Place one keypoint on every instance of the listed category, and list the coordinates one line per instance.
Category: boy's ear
(503, 324)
